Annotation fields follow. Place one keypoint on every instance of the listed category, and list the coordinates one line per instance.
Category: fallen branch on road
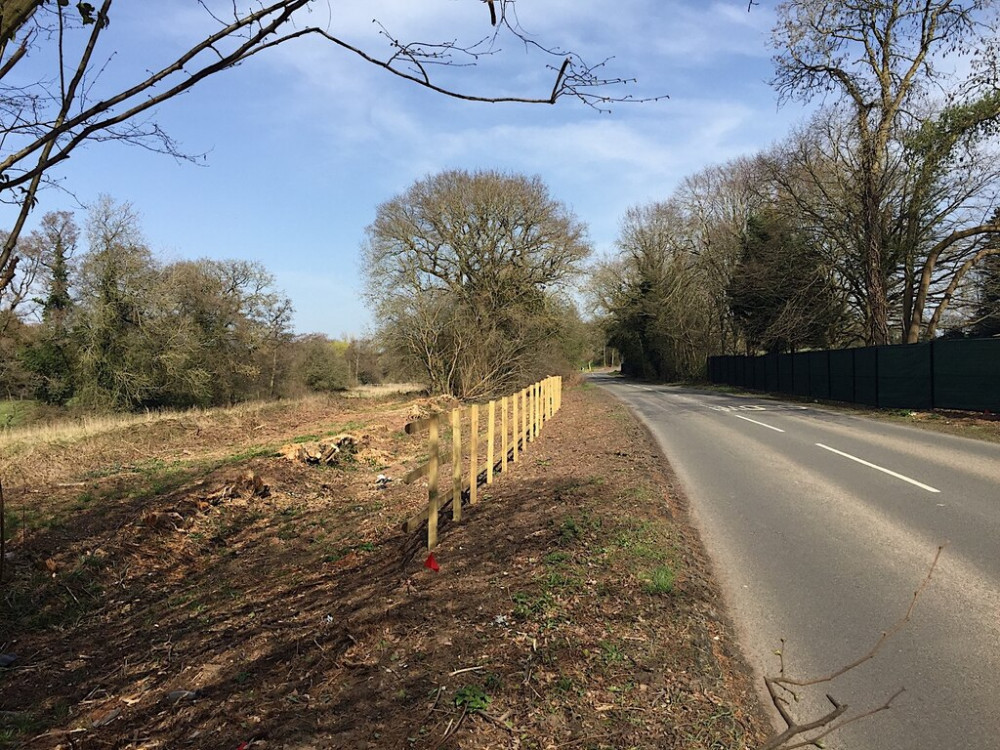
(782, 687)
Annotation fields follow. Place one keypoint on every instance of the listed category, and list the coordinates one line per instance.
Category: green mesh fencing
(866, 376)
(842, 375)
(819, 374)
(944, 374)
(904, 377)
(967, 374)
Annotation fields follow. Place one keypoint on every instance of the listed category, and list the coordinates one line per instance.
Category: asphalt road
(821, 525)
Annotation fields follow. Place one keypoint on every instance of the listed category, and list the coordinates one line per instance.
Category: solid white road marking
(891, 473)
(747, 419)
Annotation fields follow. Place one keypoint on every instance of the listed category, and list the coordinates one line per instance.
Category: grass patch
(659, 581)
(529, 606)
(472, 698)
(576, 528)
(612, 652)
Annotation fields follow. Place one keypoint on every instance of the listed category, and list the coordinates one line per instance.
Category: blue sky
(304, 141)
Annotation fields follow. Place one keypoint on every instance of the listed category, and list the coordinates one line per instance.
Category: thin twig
(899, 625)
(467, 669)
(778, 687)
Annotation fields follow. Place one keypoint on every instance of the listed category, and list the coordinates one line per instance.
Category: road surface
(821, 525)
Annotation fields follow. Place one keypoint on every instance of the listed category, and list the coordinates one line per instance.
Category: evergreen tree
(51, 358)
(781, 295)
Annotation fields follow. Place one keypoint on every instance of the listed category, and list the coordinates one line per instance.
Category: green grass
(526, 606)
(15, 726)
(660, 580)
(472, 698)
(612, 652)
(554, 558)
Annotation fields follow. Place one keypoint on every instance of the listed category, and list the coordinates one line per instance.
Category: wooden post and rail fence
(522, 415)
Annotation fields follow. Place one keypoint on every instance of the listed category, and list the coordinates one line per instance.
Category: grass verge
(152, 603)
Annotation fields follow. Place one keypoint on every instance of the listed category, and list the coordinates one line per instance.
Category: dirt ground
(183, 585)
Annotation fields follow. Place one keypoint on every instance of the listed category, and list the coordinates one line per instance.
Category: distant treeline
(104, 324)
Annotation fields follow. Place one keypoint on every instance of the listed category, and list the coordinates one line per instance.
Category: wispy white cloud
(308, 139)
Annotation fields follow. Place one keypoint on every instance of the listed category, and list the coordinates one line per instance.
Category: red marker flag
(431, 563)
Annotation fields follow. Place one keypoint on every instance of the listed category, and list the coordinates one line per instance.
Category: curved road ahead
(821, 525)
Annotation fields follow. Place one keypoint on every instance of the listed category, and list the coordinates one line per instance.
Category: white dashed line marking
(884, 470)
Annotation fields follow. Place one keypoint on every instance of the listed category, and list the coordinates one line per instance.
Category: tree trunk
(877, 309)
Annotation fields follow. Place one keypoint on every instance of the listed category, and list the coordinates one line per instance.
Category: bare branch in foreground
(782, 687)
(43, 125)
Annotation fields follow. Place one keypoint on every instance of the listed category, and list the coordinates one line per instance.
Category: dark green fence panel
(801, 375)
(948, 374)
(759, 373)
(786, 373)
(819, 374)
(866, 376)
(904, 377)
(771, 368)
(967, 374)
(842, 375)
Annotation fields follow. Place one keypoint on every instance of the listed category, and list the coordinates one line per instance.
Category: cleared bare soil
(178, 583)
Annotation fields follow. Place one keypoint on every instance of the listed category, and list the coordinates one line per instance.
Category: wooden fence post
(474, 454)
(540, 408)
(492, 417)
(504, 427)
(524, 418)
(534, 410)
(456, 464)
(530, 409)
(432, 484)
(513, 426)
(535, 395)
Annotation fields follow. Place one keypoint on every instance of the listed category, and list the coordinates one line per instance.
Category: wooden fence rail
(522, 416)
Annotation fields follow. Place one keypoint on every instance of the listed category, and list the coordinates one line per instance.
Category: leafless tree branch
(782, 686)
(47, 120)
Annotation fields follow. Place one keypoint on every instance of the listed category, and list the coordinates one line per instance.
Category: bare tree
(716, 203)
(465, 272)
(948, 208)
(52, 55)
(941, 184)
(882, 60)
(658, 308)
